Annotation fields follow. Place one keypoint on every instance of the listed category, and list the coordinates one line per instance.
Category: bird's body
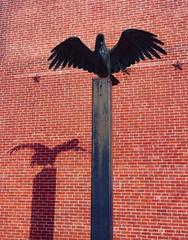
(134, 45)
(103, 54)
(105, 57)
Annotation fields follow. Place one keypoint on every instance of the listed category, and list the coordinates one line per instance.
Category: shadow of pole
(43, 205)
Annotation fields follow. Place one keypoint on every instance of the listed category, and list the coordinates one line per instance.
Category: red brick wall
(150, 120)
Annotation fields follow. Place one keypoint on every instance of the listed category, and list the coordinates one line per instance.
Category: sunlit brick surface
(150, 122)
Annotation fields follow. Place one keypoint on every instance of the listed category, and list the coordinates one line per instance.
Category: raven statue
(134, 45)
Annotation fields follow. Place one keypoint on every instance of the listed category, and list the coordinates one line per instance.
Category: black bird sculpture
(134, 45)
(44, 155)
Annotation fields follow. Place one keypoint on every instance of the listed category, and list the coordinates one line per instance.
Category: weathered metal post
(101, 207)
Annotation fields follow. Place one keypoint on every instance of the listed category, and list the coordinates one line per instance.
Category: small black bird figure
(134, 45)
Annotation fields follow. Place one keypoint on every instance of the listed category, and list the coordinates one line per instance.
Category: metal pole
(101, 206)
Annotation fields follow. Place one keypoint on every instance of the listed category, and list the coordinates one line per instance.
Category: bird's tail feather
(114, 80)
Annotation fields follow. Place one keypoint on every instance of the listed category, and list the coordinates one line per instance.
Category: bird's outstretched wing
(73, 52)
(34, 146)
(134, 45)
(69, 145)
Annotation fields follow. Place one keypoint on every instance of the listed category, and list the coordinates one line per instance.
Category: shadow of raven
(44, 155)
(134, 45)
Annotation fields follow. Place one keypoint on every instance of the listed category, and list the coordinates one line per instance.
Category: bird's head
(100, 38)
(100, 41)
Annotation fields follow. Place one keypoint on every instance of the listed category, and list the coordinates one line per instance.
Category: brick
(150, 120)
